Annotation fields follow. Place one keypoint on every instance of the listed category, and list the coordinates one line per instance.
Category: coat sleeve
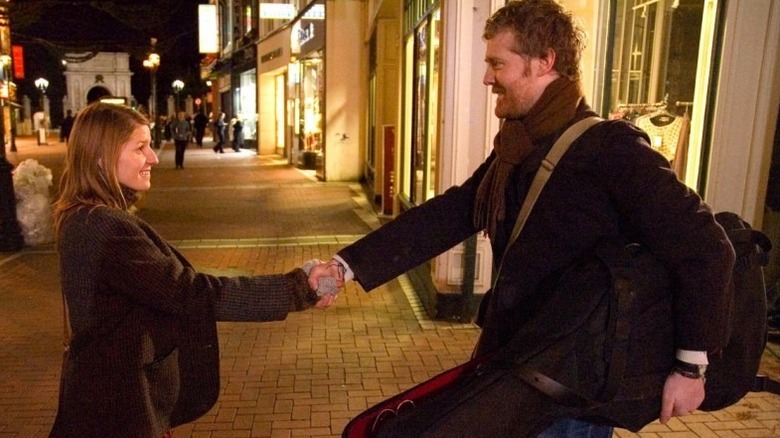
(415, 236)
(680, 229)
(137, 263)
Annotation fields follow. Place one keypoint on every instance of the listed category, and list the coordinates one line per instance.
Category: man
(67, 125)
(610, 186)
(182, 132)
(200, 121)
(219, 133)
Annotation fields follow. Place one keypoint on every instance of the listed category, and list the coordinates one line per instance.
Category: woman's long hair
(95, 143)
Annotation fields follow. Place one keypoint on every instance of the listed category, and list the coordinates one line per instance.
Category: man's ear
(547, 62)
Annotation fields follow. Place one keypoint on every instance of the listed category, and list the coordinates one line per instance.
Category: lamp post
(152, 62)
(177, 86)
(10, 232)
(42, 84)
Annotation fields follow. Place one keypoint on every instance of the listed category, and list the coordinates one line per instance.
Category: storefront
(676, 68)
(245, 98)
(436, 147)
(383, 105)
(422, 64)
(244, 95)
(307, 88)
(276, 131)
(658, 58)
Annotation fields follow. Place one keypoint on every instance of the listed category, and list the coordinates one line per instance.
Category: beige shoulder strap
(545, 170)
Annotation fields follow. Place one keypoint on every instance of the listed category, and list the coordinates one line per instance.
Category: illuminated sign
(207, 29)
(305, 34)
(316, 12)
(17, 52)
(281, 11)
(114, 100)
(277, 11)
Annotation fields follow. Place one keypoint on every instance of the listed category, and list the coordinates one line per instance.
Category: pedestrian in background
(199, 122)
(143, 353)
(238, 134)
(219, 133)
(67, 125)
(182, 133)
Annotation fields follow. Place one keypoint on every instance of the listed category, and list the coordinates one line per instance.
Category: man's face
(516, 79)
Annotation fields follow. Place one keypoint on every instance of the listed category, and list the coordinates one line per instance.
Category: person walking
(181, 130)
(238, 134)
(219, 132)
(611, 186)
(66, 126)
(199, 122)
(142, 352)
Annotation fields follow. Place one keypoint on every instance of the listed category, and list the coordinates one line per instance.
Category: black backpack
(639, 323)
(733, 373)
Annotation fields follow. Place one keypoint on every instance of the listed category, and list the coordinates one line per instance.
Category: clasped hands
(326, 278)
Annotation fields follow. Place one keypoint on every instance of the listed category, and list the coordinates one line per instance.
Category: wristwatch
(689, 370)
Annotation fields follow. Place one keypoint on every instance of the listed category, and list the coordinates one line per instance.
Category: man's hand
(681, 396)
(325, 278)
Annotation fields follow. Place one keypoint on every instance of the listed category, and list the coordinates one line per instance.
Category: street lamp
(177, 86)
(152, 62)
(42, 84)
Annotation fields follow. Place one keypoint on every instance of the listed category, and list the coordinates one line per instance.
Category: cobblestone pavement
(239, 213)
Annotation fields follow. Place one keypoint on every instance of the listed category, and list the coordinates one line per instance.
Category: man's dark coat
(610, 186)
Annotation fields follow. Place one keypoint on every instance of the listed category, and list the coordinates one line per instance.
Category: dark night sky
(47, 29)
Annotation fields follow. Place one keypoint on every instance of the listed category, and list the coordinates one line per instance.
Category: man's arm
(415, 236)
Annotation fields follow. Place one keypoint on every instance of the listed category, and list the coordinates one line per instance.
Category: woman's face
(134, 168)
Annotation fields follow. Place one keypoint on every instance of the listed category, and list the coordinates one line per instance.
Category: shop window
(420, 123)
(660, 75)
(423, 108)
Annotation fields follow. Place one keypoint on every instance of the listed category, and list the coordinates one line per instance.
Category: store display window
(659, 62)
(422, 97)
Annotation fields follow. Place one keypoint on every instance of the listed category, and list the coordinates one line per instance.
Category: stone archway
(89, 78)
(96, 93)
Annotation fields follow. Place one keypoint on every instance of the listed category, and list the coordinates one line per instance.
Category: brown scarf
(514, 142)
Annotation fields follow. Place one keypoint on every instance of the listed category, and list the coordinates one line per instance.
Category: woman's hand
(327, 279)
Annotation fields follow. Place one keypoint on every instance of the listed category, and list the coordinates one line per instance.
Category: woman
(143, 351)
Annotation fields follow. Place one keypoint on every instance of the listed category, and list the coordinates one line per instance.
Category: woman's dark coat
(144, 354)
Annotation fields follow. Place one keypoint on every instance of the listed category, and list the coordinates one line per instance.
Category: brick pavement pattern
(240, 213)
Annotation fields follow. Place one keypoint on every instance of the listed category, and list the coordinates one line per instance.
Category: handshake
(326, 278)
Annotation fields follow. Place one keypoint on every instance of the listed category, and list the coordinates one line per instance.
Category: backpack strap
(546, 168)
(560, 147)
